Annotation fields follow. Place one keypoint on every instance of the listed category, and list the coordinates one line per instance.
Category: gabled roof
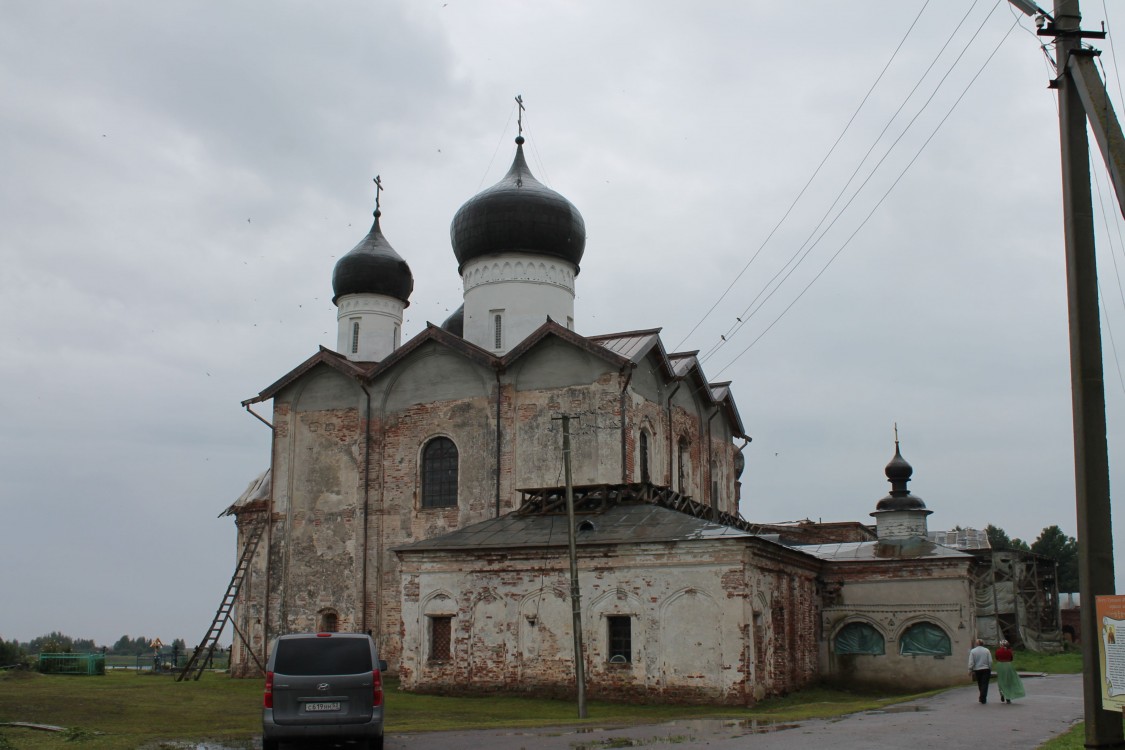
(620, 350)
(551, 328)
(323, 357)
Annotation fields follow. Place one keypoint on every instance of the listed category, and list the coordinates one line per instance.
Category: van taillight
(267, 698)
(377, 688)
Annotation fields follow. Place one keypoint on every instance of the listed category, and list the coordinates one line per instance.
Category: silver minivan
(323, 686)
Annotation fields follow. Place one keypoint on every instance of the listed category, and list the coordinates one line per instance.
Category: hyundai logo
(323, 687)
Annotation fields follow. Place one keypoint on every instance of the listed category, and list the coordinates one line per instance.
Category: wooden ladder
(206, 648)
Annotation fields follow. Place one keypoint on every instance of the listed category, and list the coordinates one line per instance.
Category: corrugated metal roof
(683, 362)
(623, 523)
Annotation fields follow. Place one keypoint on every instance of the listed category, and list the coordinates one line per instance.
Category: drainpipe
(625, 424)
(498, 436)
(672, 464)
(366, 506)
(269, 540)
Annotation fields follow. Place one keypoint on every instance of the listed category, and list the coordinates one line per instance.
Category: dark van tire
(270, 744)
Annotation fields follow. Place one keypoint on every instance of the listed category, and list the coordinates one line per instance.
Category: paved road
(949, 720)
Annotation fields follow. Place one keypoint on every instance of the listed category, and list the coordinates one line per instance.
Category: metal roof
(635, 523)
(876, 551)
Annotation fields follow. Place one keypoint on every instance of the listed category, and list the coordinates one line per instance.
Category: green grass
(1075, 739)
(1067, 662)
(124, 710)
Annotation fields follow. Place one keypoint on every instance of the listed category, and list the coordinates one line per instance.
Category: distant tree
(1063, 549)
(179, 643)
(51, 643)
(999, 539)
(10, 653)
(128, 646)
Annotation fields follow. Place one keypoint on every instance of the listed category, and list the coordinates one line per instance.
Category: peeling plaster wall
(693, 628)
(314, 558)
(891, 597)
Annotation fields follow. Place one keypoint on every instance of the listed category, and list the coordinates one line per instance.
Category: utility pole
(575, 592)
(1091, 456)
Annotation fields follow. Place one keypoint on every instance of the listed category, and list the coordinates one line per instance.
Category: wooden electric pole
(575, 591)
(1091, 457)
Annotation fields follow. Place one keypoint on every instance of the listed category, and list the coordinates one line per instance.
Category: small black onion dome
(518, 214)
(455, 323)
(372, 267)
(739, 465)
(898, 473)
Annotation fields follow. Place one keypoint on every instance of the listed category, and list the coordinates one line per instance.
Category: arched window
(859, 638)
(644, 456)
(439, 473)
(925, 639)
(682, 466)
(329, 622)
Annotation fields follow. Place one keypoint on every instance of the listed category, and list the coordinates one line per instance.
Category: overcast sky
(177, 181)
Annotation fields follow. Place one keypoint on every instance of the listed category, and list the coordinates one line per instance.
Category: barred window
(498, 329)
(441, 635)
(620, 639)
(355, 336)
(329, 622)
(439, 473)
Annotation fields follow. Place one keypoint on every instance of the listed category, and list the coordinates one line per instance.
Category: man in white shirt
(980, 668)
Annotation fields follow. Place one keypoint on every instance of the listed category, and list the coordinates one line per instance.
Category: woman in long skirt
(1007, 678)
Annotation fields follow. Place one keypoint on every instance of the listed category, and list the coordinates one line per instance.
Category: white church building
(414, 493)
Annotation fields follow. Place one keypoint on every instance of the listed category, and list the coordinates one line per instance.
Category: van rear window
(317, 656)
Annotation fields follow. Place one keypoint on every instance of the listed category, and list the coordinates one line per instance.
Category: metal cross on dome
(378, 189)
(519, 120)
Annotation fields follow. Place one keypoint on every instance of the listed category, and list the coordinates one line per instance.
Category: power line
(803, 251)
(878, 204)
(812, 177)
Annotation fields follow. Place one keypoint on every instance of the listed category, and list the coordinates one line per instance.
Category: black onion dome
(373, 267)
(518, 214)
(455, 323)
(898, 473)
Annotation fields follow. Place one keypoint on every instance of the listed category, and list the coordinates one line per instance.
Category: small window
(925, 639)
(859, 638)
(644, 456)
(439, 474)
(497, 329)
(329, 622)
(397, 335)
(441, 635)
(569, 323)
(355, 336)
(620, 639)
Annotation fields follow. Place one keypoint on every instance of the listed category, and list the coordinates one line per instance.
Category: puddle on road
(898, 710)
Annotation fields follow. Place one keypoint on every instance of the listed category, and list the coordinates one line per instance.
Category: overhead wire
(805, 249)
(812, 177)
(1116, 271)
(877, 205)
(746, 314)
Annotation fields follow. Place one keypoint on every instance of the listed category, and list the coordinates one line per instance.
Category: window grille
(620, 638)
(441, 636)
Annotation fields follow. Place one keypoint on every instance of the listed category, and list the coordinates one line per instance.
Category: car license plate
(333, 706)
